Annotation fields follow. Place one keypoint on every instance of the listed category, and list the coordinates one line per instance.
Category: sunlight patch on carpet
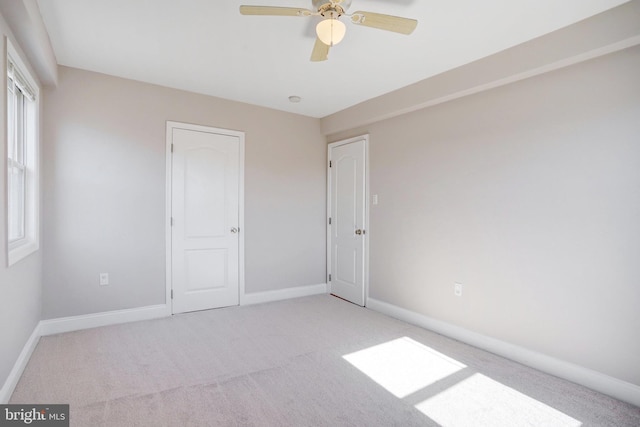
(403, 366)
(480, 401)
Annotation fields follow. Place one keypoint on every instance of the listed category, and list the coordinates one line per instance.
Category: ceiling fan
(331, 30)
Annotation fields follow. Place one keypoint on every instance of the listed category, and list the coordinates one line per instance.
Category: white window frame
(30, 242)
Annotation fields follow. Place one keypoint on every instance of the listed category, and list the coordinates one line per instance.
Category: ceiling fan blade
(384, 22)
(320, 51)
(273, 11)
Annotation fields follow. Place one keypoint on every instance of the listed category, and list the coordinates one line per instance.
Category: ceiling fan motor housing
(339, 6)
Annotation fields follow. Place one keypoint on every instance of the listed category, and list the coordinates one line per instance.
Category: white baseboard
(87, 321)
(592, 379)
(16, 372)
(282, 294)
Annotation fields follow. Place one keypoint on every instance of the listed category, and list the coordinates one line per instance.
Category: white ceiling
(206, 46)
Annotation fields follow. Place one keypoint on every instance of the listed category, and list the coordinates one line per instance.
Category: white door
(347, 229)
(205, 177)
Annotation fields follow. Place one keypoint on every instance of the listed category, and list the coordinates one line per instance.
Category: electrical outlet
(104, 279)
(457, 289)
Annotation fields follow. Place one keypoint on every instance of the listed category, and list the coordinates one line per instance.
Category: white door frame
(364, 137)
(168, 203)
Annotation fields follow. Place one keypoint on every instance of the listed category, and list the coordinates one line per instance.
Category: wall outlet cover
(457, 289)
(104, 279)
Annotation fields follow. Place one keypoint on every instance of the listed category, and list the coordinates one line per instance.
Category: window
(22, 173)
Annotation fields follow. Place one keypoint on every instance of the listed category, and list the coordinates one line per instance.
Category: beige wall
(104, 209)
(528, 195)
(20, 284)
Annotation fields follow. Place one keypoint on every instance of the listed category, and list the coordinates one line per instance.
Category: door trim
(168, 202)
(364, 138)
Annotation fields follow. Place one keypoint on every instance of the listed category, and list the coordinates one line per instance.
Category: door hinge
(172, 148)
(329, 277)
(329, 163)
(171, 293)
(172, 221)
(329, 220)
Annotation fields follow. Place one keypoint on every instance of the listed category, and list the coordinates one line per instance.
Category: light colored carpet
(315, 361)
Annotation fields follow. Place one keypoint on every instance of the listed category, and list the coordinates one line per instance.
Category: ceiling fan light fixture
(331, 31)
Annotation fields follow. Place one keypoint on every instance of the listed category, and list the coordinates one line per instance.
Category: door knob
(234, 230)
(359, 232)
